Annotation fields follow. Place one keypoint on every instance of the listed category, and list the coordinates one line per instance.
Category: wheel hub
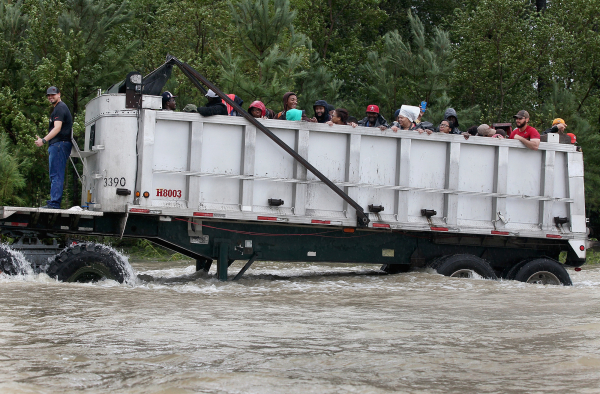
(462, 273)
(544, 278)
(91, 273)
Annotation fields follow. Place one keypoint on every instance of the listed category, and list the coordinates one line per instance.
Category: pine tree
(88, 27)
(409, 74)
(271, 54)
(10, 173)
(13, 25)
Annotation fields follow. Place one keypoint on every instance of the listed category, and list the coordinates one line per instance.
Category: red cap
(573, 138)
(373, 108)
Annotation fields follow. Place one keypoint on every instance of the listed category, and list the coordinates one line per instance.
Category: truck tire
(88, 262)
(511, 272)
(10, 262)
(463, 266)
(433, 264)
(544, 271)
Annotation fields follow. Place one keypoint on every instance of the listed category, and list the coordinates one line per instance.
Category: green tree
(10, 173)
(574, 60)
(467, 117)
(496, 57)
(271, 53)
(87, 26)
(191, 30)
(406, 73)
(13, 25)
(341, 41)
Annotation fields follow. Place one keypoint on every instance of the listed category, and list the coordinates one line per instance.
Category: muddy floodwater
(299, 328)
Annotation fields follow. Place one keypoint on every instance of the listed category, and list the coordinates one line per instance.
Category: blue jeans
(59, 154)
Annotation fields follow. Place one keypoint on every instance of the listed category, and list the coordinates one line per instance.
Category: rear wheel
(511, 272)
(88, 262)
(464, 266)
(544, 271)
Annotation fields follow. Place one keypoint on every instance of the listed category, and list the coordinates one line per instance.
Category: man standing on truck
(60, 133)
(525, 133)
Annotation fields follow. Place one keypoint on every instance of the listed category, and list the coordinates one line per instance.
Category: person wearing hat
(373, 118)
(214, 106)
(168, 101)
(525, 133)
(406, 118)
(485, 130)
(60, 133)
(558, 126)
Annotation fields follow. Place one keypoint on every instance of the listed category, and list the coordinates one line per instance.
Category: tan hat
(485, 130)
(522, 114)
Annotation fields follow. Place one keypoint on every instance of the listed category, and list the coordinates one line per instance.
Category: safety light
(137, 194)
(348, 230)
(146, 194)
(581, 247)
(577, 269)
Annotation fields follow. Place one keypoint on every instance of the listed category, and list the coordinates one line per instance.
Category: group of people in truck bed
(407, 117)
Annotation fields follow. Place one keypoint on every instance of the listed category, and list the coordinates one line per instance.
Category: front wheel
(464, 266)
(544, 271)
(89, 262)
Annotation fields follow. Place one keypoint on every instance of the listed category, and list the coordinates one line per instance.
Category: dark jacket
(213, 107)
(325, 117)
(451, 112)
(379, 122)
(553, 129)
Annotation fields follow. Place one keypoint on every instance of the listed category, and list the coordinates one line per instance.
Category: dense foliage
(486, 58)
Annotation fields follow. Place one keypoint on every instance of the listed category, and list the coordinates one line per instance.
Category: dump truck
(228, 188)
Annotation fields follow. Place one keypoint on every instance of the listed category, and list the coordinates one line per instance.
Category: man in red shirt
(525, 133)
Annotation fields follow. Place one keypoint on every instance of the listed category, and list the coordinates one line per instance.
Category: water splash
(13, 262)
(129, 275)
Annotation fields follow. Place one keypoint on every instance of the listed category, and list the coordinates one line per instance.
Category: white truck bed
(223, 167)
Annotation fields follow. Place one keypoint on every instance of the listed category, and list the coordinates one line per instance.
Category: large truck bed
(223, 167)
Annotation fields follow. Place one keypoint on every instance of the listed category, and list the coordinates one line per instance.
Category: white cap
(210, 93)
(410, 112)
